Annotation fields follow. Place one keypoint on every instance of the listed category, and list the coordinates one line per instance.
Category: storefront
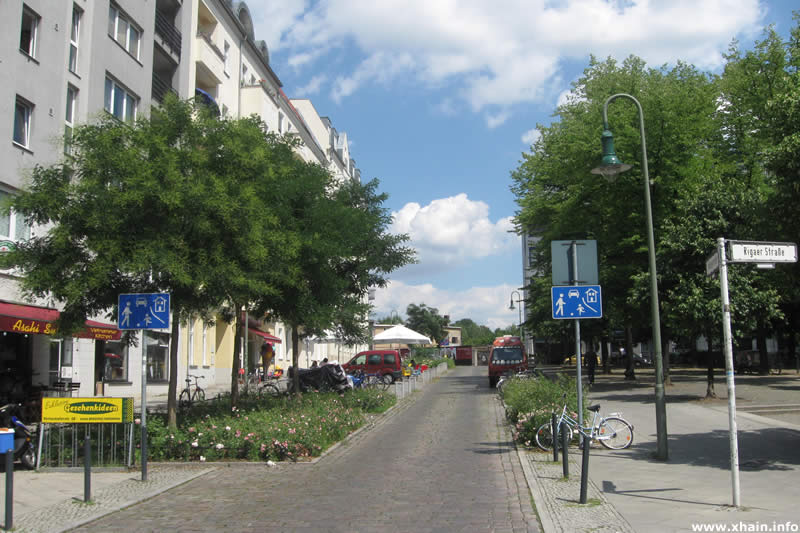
(36, 360)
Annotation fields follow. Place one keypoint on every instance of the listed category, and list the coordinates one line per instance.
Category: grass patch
(590, 502)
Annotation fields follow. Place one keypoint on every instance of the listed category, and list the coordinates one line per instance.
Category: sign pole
(728, 347)
(144, 411)
(578, 378)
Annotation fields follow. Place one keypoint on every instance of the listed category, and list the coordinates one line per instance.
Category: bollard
(585, 468)
(87, 470)
(554, 433)
(564, 450)
(10, 489)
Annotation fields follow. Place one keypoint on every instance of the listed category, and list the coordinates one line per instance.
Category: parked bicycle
(192, 393)
(362, 380)
(613, 432)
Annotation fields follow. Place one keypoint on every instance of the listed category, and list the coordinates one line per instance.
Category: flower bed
(262, 429)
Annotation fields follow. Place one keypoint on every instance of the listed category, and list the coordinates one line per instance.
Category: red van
(383, 362)
(507, 355)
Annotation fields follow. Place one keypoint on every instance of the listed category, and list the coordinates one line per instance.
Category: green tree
(172, 203)
(340, 233)
(473, 334)
(426, 320)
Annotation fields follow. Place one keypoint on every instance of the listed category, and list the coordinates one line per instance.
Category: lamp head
(610, 166)
(512, 304)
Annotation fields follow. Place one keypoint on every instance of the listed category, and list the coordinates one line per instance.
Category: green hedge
(530, 403)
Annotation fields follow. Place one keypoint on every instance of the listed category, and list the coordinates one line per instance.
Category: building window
(69, 119)
(122, 30)
(73, 39)
(22, 122)
(12, 224)
(190, 343)
(30, 27)
(119, 102)
(156, 347)
(226, 56)
(115, 361)
(205, 344)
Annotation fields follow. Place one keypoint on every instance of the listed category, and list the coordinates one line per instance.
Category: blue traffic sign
(577, 301)
(143, 311)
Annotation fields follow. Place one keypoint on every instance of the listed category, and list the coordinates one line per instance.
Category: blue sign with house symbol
(577, 301)
(143, 311)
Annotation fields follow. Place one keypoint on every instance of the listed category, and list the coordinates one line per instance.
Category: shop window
(157, 352)
(115, 361)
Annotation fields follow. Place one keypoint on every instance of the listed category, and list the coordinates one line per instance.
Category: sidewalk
(631, 491)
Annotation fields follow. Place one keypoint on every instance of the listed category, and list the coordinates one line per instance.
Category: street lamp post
(611, 166)
(519, 307)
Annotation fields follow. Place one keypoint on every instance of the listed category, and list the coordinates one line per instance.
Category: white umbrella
(400, 335)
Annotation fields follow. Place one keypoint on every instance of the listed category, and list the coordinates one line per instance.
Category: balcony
(209, 60)
(161, 88)
(170, 35)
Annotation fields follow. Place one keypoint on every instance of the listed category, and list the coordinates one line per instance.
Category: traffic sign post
(764, 254)
(143, 311)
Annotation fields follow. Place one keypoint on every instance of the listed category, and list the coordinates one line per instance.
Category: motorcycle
(24, 451)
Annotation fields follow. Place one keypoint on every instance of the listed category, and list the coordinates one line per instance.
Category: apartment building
(66, 63)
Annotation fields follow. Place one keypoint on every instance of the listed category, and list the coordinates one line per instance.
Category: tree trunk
(604, 352)
(172, 392)
(235, 364)
(295, 360)
(630, 373)
(710, 393)
(761, 343)
(665, 359)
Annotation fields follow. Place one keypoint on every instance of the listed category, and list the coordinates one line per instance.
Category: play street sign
(143, 311)
(576, 302)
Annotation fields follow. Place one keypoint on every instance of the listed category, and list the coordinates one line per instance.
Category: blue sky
(439, 99)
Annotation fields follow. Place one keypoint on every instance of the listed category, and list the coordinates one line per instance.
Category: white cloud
(503, 53)
(312, 87)
(487, 306)
(531, 136)
(449, 231)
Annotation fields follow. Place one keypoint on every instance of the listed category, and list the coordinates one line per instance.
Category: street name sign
(762, 252)
(143, 311)
(573, 302)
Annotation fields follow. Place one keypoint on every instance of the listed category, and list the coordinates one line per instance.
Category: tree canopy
(722, 154)
(220, 213)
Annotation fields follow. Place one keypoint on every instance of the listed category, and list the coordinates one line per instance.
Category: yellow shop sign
(86, 410)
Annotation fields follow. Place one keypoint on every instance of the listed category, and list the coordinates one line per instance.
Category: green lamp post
(610, 167)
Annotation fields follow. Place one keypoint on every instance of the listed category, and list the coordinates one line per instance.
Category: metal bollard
(564, 451)
(10, 489)
(554, 433)
(585, 468)
(87, 470)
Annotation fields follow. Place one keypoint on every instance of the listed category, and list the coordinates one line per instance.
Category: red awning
(39, 320)
(267, 337)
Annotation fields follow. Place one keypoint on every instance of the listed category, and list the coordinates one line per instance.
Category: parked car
(383, 362)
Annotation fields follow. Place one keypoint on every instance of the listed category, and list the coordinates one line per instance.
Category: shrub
(530, 403)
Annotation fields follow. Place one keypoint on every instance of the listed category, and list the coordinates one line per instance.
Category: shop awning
(19, 318)
(267, 337)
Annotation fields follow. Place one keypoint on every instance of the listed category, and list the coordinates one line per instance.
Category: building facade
(66, 63)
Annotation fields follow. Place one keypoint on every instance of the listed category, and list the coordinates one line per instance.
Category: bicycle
(613, 432)
(189, 396)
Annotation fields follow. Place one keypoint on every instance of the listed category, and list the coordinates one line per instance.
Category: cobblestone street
(442, 462)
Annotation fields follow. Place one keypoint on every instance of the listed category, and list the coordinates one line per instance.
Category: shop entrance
(15, 366)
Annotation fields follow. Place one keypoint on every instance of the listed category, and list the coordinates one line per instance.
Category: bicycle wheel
(199, 395)
(615, 433)
(184, 400)
(544, 437)
(271, 389)
(386, 381)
